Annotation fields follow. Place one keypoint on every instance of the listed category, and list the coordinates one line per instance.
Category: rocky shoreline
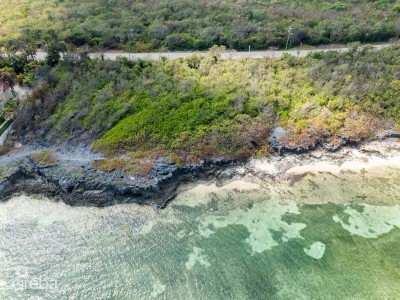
(82, 185)
(74, 181)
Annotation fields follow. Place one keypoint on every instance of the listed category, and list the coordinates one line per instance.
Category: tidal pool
(325, 237)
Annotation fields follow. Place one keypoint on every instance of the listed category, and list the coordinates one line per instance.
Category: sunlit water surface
(325, 237)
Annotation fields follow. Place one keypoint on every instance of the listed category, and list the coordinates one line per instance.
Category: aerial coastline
(136, 133)
(77, 183)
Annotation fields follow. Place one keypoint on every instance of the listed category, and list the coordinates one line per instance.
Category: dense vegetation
(139, 25)
(18, 67)
(188, 109)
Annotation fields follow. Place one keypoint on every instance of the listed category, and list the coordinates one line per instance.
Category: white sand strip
(355, 165)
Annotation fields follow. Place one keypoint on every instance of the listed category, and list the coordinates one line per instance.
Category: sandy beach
(294, 174)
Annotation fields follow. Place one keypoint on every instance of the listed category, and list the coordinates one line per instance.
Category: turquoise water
(325, 237)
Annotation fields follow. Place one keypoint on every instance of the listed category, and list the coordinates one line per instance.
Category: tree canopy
(205, 107)
(139, 25)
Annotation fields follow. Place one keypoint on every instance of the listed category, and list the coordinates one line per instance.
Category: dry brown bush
(45, 158)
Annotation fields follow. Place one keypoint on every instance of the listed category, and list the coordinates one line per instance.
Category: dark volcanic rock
(85, 186)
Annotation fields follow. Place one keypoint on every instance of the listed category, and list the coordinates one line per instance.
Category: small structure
(6, 91)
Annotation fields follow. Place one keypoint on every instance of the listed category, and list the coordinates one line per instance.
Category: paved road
(225, 55)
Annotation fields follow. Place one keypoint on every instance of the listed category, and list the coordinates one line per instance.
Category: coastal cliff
(77, 183)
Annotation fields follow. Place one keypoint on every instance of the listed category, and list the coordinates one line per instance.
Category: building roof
(4, 85)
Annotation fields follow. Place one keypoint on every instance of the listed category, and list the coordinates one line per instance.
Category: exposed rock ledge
(82, 185)
(75, 182)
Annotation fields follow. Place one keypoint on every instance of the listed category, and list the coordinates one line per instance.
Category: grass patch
(45, 158)
(112, 164)
(4, 150)
(129, 165)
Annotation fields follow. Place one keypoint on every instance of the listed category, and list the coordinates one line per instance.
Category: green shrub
(338, 6)
(187, 109)
(187, 24)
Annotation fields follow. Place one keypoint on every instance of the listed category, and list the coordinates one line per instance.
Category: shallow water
(326, 237)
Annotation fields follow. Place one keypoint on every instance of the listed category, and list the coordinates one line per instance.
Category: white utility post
(288, 37)
(130, 37)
